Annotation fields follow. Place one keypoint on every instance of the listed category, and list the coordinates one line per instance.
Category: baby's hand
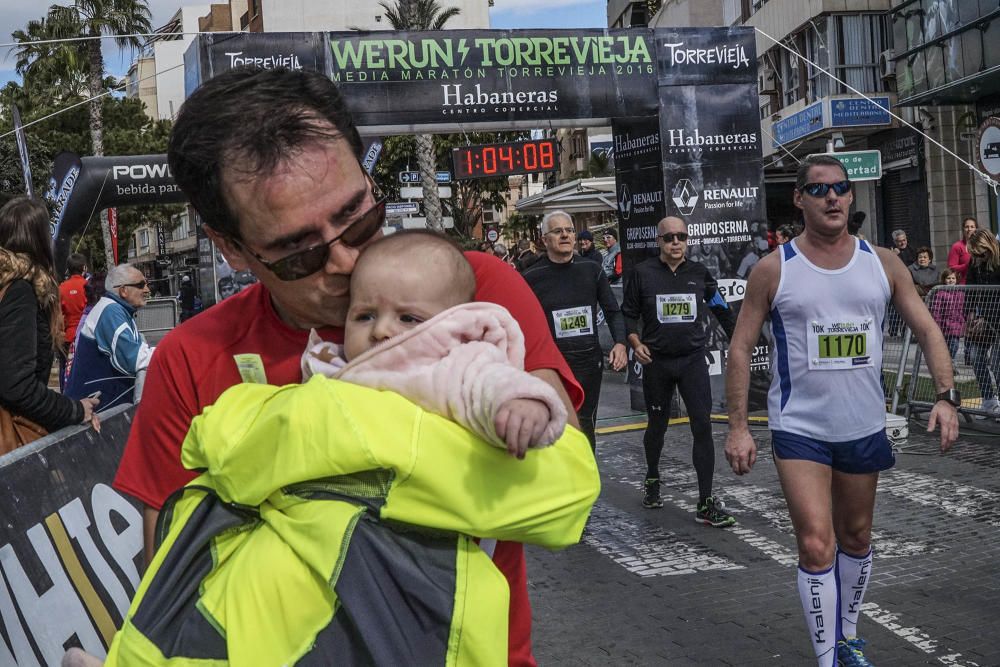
(521, 423)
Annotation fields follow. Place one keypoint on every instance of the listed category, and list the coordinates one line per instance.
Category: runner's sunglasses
(820, 189)
(306, 262)
(670, 236)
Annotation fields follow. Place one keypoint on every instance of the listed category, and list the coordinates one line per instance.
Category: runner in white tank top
(826, 296)
(827, 360)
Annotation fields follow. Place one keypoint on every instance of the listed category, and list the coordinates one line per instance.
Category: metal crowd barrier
(157, 317)
(975, 345)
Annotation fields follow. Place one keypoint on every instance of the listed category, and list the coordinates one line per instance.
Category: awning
(581, 195)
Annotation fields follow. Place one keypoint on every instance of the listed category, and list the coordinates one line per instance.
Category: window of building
(860, 39)
(143, 236)
(791, 68)
(819, 83)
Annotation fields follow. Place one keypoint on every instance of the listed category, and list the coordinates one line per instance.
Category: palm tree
(58, 67)
(423, 15)
(123, 19)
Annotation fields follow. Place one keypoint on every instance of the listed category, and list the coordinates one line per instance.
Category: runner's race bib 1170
(570, 322)
(841, 343)
(676, 308)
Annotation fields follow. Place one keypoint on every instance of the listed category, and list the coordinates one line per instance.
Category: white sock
(853, 574)
(818, 593)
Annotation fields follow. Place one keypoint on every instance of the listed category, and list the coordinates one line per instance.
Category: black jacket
(983, 303)
(26, 361)
(652, 277)
(574, 284)
(593, 255)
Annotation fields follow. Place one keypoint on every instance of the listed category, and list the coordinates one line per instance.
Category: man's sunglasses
(670, 237)
(306, 262)
(138, 285)
(820, 189)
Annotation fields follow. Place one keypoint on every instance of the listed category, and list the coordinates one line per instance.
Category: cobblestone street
(649, 587)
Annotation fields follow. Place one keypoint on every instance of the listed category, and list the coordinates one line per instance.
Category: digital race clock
(519, 157)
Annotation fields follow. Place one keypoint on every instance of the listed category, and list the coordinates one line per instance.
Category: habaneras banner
(713, 177)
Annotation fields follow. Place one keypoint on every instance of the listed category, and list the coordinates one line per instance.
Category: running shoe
(651, 493)
(849, 653)
(713, 513)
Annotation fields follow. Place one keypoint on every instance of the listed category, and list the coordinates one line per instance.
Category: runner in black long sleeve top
(670, 295)
(570, 289)
(653, 286)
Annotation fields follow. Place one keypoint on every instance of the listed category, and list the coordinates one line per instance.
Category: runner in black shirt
(670, 294)
(570, 289)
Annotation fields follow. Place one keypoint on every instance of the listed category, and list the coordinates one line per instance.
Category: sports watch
(950, 395)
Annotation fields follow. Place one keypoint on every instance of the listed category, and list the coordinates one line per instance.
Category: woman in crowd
(983, 315)
(925, 274)
(30, 322)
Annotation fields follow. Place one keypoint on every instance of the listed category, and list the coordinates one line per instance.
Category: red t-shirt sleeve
(498, 282)
(151, 469)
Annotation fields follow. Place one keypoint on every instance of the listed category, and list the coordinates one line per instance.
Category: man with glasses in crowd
(270, 160)
(570, 290)
(826, 294)
(110, 351)
(670, 295)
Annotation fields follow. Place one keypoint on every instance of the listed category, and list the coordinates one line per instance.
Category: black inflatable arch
(80, 187)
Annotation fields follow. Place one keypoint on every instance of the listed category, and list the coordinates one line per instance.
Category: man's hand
(741, 450)
(945, 415)
(89, 413)
(520, 423)
(642, 353)
(618, 357)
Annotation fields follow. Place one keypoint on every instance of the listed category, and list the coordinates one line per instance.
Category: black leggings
(588, 372)
(690, 375)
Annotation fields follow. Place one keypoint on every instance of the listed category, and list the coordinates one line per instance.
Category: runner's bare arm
(911, 308)
(741, 450)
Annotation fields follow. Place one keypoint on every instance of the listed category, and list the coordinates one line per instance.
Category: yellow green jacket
(331, 525)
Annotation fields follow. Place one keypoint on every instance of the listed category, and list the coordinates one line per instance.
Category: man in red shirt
(73, 299)
(269, 158)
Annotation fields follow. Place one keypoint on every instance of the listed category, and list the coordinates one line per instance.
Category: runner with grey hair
(570, 289)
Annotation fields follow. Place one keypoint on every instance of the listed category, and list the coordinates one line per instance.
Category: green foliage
(417, 14)
(128, 131)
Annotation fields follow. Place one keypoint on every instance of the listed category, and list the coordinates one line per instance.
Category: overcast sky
(15, 14)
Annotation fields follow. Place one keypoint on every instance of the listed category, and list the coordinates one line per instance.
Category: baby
(411, 329)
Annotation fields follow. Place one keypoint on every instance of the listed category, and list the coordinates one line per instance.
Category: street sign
(492, 235)
(444, 192)
(860, 165)
(402, 208)
(989, 145)
(414, 177)
(163, 263)
(421, 222)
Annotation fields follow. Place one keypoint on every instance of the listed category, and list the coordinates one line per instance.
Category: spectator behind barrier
(29, 342)
(111, 351)
(925, 274)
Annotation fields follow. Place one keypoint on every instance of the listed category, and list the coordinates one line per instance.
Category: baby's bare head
(415, 262)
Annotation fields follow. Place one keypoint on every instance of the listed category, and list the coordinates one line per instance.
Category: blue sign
(414, 177)
(799, 124)
(854, 112)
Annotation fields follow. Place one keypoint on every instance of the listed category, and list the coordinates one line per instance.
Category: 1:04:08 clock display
(519, 157)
